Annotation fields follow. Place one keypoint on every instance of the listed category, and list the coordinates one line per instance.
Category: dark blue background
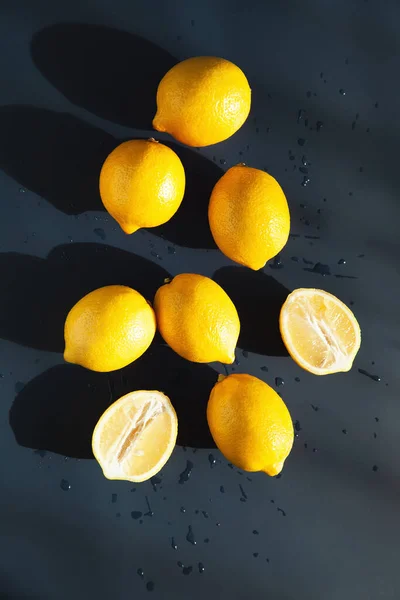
(78, 77)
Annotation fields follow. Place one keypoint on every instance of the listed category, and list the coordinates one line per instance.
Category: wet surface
(76, 81)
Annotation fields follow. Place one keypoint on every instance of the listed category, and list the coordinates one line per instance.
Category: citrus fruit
(250, 423)
(136, 435)
(202, 101)
(108, 328)
(197, 319)
(319, 331)
(249, 216)
(142, 183)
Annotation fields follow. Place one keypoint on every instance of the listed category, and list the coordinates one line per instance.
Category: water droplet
(65, 485)
(206, 540)
(245, 354)
(300, 114)
(244, 495)
(150, 586)
(301, 141)
(171, 250)
(304, 183)
(279, 381)
(19, 386)
(185, 475)
(314, 450)
(114, 498)
(375, 435)
(297, 379)
(201, 567)
(100, 233)
(173, 544)
(316, 408)
(41, 453)
(149, 512)
(265, 369)
(222, 489)
(375, 468)
(341, 261)
(212, 460)
(155, 481)
(183, 509)
(376, 104)
(255, 532)
(342, 92)
(373, 377)
(320, 269)
(377, 419)
(255, 554)
(136, 514)
(344, 431)
(140, 572)
(192, 23)
(222, 161)
(187, 570)
(303, 170)
(218, 524)
(190, 536)
(277, 263)
(319, 125)
(281, 511)
(297, 426)
(180, 564)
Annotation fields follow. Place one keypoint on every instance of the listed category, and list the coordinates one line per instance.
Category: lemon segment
(319, 331)
(136, 435)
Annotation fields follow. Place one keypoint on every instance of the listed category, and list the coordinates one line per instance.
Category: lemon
(197, 319)
(142, 183)
(249, 216)
(250, 423)
(319, 331)
(136, 435)
(108, 328)
(202, 101)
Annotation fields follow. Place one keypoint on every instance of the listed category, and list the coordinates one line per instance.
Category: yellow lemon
(142, 183)
(197, 319)
(108, 328)
(249, 216)
(250, 423)
(319, 331)
(136, 435)
(202, 101)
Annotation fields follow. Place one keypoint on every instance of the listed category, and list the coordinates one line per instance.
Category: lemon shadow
(59, 157)
(58, 410)
(258, 299)
(111, 73)
(38, 293)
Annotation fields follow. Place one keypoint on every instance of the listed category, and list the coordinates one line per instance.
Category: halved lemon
(319, 331)
(136, 435)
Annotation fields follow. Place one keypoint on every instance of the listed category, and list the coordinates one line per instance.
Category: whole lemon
(108, 329)
(249, 216)
(142, 183)
(250, 423)
(197, 319)
(202, 101)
